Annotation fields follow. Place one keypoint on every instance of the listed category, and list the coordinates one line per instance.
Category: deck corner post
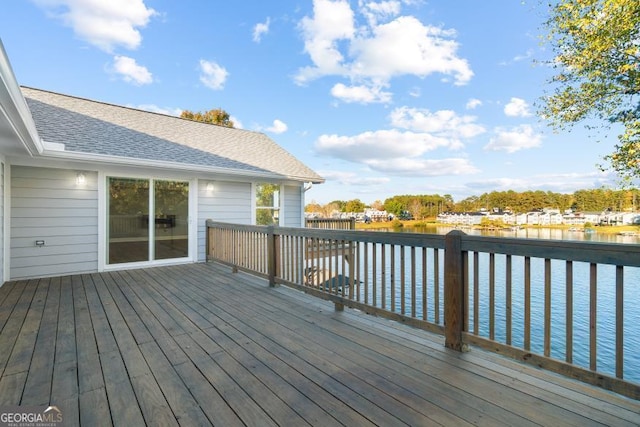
(271, 255)
(208, 242)
(454, 310)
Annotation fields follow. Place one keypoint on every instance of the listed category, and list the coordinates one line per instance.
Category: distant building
(542, 217)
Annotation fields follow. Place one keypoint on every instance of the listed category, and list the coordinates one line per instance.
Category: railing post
(207, 244)
(454, 310)
(272, 258)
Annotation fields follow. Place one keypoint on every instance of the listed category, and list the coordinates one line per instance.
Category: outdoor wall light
(81, 179)
(210, 187)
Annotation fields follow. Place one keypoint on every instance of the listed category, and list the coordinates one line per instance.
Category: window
(267, 204)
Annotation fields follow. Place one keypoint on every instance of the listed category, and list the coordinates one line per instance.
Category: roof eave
(14, 107)
(159, 164)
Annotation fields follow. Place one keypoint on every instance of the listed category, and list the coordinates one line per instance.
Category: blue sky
(379, 97)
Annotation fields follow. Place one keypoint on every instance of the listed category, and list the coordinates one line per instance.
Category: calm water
(541, 233)
(581, 286)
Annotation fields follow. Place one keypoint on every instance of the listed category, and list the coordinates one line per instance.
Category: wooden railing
(331, 223)
(524, 298)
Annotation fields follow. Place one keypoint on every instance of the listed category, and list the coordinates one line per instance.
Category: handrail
(474, 290)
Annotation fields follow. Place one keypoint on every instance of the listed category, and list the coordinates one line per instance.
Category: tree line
(429, 206)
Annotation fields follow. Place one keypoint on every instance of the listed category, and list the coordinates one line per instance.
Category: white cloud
(236, 122)
(443, 123)
(375, 11)
(424, 167)
(332, 21)
(379, 145)
(473, 103)
(105, 24)
(373, 53)
(406, 46)
(402, 151)
(212, 75)
(278, 127)
(360, 94)
(517, 107)
(498, 184)
(527, 55)
(260, 29)
(519, 58)
(394, 152)
(352, 178)
(511, 140)
(160, 110)
(130, 71)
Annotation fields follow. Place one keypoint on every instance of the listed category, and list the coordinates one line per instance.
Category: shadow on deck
(198, 345)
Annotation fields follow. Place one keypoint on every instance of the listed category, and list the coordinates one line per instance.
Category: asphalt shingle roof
(92, 127)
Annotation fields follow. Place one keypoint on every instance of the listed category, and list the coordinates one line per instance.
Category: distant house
(545, 217)
(580, 218)
(461, 218)
(89, 186)
(502, 217)
(619, 218)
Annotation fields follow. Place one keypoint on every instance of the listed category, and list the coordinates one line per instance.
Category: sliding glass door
(171, 206)
(128, 209)
(135, 235)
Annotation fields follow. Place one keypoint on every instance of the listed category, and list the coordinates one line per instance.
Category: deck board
(367, 382)
(200, 345)
(40, 372)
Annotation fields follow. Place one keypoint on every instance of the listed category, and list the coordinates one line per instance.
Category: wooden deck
(198, 345)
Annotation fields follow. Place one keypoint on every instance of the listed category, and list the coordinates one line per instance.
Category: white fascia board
(15, 109)
(61, 154)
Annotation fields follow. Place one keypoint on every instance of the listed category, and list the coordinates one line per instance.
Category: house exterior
(619, 218)
(546, 217)
(88, 186)
(462, 218)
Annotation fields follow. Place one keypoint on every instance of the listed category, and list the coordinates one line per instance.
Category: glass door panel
(128, 232)
(171, 232)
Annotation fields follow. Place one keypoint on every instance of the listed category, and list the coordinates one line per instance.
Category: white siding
(227, 202)
(47, 204)
(292, 206)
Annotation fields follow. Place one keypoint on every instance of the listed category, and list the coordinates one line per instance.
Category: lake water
(528, 233)
(581, 302)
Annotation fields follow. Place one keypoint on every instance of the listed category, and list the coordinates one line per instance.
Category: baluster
(619, 321)
(508, 313)
(593, 315)
(424, 283)
(476, 293)
(547, 307)
(527, 303)
(492, 296)
(413, 281)
(465, 285)
(402, 280)
(393, 278)
(569, 311)
(436, 285)
(374, 272)
(383, 278)
(366, 272)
